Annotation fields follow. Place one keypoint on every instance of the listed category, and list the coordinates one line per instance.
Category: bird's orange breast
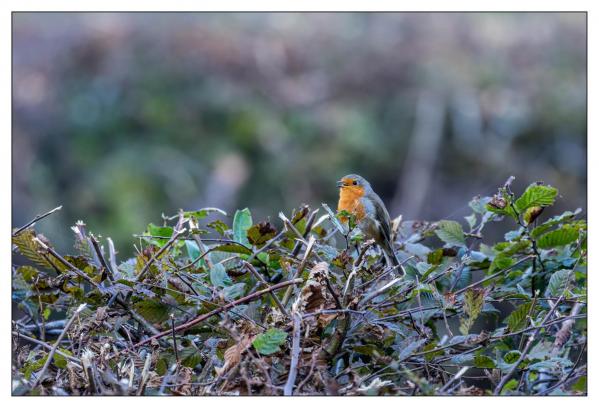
(349, 200)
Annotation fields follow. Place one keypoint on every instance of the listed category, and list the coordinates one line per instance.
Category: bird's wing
(383, 215)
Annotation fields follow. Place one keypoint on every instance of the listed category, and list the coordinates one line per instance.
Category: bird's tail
(391, 258)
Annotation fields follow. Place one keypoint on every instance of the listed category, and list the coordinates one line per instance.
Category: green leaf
(233, 248)
(435, 257)
(260, 233)
(218, 226)
(500, 204)
(474, 300)
(161, 366)
(580, 385)
(500, 262)
(563, 236)
(203, 212)
(536, 196)
(519, 317)
(29, 273)
(511, 356)
(166, 232)
(511, 385)
(29, 249)
(234, 291)
(193, 252)
(61, 361)
(270, 341)
(152, 310)
(546, 226)
(557, 283)
(471, 220)
(219, 277)
(451, 233)
(478, 204)
(482, 361)
(191, 357)
(242, 221)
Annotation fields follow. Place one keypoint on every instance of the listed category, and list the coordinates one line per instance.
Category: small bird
(357, 197)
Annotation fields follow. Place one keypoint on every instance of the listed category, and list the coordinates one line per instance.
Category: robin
(357, 197)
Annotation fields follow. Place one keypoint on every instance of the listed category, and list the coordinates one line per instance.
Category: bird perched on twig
(357, 197)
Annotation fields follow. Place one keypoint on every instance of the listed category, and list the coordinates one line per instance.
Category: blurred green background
(121, 117)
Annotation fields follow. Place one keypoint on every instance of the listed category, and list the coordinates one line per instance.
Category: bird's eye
(355, 183)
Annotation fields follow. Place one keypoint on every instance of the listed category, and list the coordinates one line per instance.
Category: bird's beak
(340, 183)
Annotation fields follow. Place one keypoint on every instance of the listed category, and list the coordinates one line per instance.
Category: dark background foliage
(122, 116)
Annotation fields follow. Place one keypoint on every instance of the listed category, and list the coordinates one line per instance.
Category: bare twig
(69, 265)
(98, 251)
(50, 357)
(295, 352)
(300, 268)
(221, 309)
(112, 258)
(157, 255)
(527, 348)
(254, 272)
(49, 347)
(36, 219)
(456, 377)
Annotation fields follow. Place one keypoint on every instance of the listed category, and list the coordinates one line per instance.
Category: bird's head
(354, 184)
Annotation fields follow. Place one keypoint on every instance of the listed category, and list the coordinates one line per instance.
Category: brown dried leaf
(233, 354)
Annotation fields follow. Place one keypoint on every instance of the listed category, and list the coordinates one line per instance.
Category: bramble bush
(209, 307)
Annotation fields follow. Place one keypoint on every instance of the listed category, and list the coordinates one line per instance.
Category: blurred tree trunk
(416, 177)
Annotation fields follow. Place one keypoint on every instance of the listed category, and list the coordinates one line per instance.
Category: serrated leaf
(471, 220)
(29, 273)
(193, 252)
(219, 277)
(500, 262)
(463, 359)
(203, 212)
(29, 248)
(152, 310)
(478, 204)
(518, 319)
(218, 226)
(410, 348)
(563, 236)
(511, 356)
(242, 221)
(473, 304)
(435, 257)
(233, 248)
(158, 231)
(531, 214)
(59, 360)
(546, 226)
(500, 204)
(482, 361)
(270, 341)
(451, 233)
(536, 196)
(557, 283)
(234, 291)
(260, 233)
